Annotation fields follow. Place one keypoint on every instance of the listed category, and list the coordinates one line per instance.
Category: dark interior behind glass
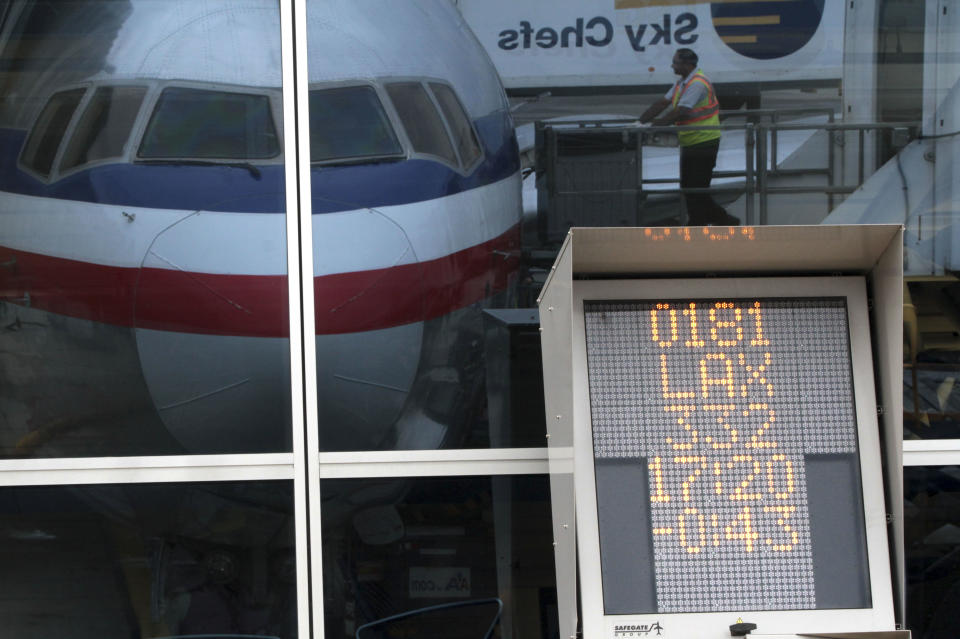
(435, 557)
(120, 561)
(932, 540)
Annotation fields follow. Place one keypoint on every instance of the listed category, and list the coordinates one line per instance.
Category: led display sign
(735, 458)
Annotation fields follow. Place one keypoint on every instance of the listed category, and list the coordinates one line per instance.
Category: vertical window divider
(303, 376)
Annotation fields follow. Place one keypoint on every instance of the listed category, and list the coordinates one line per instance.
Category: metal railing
(558, 142)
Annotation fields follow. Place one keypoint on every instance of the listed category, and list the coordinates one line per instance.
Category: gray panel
(626, 550)
(833, 487)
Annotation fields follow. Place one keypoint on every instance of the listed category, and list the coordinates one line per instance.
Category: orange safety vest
(706, 112)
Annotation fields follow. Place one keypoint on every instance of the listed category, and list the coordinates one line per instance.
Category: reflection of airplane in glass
(143, 289)
(142, 239)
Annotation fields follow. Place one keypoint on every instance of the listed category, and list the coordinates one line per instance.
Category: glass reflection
(475, 619)
(148, 561)
(931, 349)
(417, 207)
(404, 557)
(830, 115)
(933, 550)
(143, 289)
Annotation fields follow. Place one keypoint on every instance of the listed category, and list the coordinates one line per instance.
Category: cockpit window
(105, 126)
(197, 123)
(421, 120)
(463, 135)
(41, 147)
(348, 123)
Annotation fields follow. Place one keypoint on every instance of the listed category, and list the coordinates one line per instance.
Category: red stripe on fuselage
(256, 305)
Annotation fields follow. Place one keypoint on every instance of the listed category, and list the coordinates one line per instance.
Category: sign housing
(715, 441)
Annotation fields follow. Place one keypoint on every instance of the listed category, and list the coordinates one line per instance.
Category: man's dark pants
(696, 170)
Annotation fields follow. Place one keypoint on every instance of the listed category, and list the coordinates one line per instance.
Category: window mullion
(302, 325)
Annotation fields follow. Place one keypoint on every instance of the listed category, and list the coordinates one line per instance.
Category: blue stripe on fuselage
(238, 190)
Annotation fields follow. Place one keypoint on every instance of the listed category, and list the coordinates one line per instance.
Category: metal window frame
(64, 139)
(931, 452)
(304, 465)
(153, 91)
(413, 152)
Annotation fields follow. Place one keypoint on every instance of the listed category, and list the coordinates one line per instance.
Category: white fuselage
(188, 255)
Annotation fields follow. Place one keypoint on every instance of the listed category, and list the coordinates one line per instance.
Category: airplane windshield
(463, 134)
(41, 147)
(196, 123)
(420, 118)
(349, 123)
(105, 126)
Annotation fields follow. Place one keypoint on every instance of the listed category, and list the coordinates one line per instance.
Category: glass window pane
(931, 397)
(421, 120)
(858, 113)
(414, 257)
(194, 123)
(463, 135)
(105, 125)
(143, 302)
(144, 561)
(45, 137)
(932, 497)
(349, 123)
(459, 554)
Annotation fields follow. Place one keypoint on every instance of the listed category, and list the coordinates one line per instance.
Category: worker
(693, 102)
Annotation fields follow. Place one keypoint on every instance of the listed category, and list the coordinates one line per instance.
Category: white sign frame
(880, 616)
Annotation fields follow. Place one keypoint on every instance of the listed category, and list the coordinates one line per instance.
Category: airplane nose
(211, 326)
(370, 330)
